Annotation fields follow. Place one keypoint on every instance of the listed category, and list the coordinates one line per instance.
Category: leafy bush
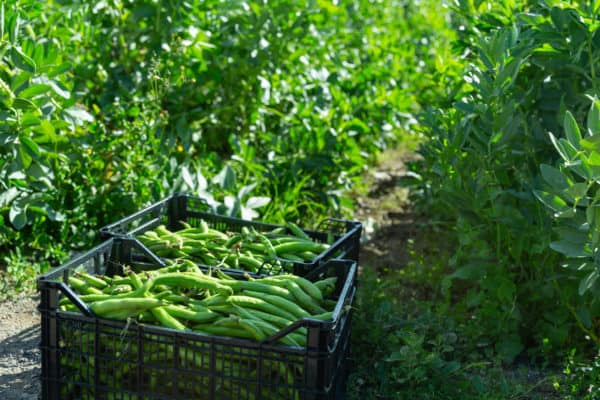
(39, 121)
(571, 197)
(268, 111)
(481, 166)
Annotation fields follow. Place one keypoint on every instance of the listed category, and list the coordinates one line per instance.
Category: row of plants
(262, 110)
(500, 299)
(508, 176)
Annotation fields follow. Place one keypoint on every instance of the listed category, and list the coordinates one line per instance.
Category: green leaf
(30, 119)
(554, 177)
(245, 190)
(2, 21)
(78, 115)
(474, 270)
(585, 316)
(593, 119)
(187, 177)
(559, 148)
(396, 356)
(32, 148)
(590, 215)
(17, 175)
(34, 90)
(59, 69)
(24, 104)
(552, 201)
(40, 172)
(591, 143)
(6, 138)
(225, 178)
(578, 191)
(248, 213)
(257, 202)
(569, 249)
(54, 215)
(575, 160)
(60, 90)
(593, 160)
(232, 206)
(8, 196)
(509, 347)
(18, 216)
(46, 129)
(572, 235)
(45, 209)
(588, 282)
(22, 60)
(505, 290)
(24, 157)
(572, 130)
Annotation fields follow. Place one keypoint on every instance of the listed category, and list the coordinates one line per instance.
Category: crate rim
(109, 229)
(49, 280)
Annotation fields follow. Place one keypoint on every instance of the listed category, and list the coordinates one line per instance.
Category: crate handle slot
(71, 295)
(149, 253)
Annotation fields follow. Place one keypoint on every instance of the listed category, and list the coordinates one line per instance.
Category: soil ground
(20, 361)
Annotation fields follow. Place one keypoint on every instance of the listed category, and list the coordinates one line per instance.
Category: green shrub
(481, 167)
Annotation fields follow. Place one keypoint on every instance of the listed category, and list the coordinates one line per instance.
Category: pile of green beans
(247, 250)
(182, 297)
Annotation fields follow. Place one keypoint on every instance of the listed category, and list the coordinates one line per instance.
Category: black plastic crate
(86, 357)
(180, 207)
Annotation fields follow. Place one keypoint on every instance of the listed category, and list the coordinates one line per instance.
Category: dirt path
(20, 362)
(385, 213)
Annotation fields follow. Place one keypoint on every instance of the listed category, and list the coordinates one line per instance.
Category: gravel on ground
(20, 360)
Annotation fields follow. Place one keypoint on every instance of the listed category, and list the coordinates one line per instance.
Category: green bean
(193, 281)
(251, 326)
(82, 286)
(262, 305)
(280, 302)
(297, 231)
(292, 257)
(87, 298)
(250, 261)
(223, 276)
(265, 316)
(223, 331)
(91, 280)
(327, 285)
(214, 300)
(190, 315)
(304, 300)
(159, 313)
(307, 286)
(258, 286)
(222, 308)
(135, 304)
(326, 316)
(271, 330)
(299, 246)
(115, 289)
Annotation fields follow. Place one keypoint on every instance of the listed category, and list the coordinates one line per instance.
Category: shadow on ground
(20, 365)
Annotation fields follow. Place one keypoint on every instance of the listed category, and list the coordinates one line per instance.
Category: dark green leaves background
(264, 110)
(510, 171)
